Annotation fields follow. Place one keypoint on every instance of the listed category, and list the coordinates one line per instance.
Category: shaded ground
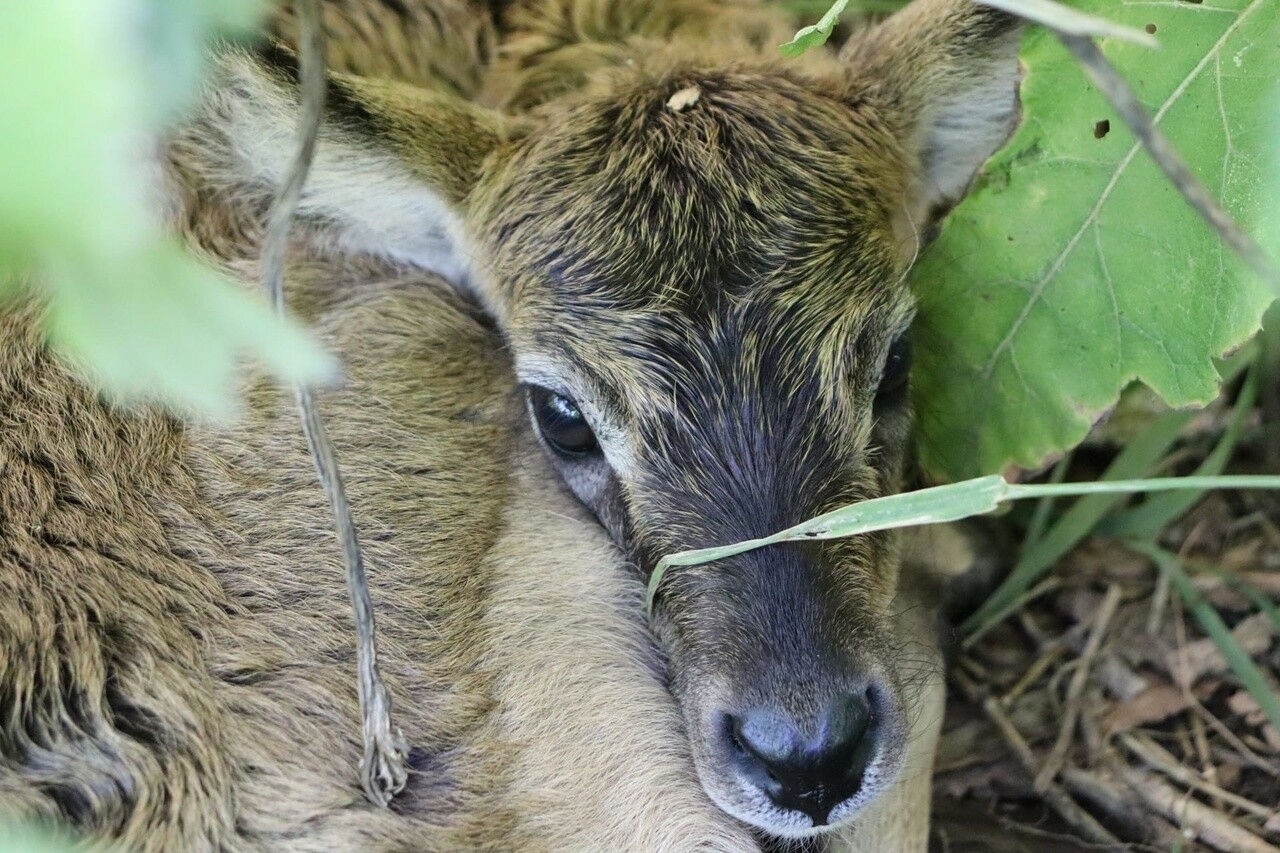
(1105, 684)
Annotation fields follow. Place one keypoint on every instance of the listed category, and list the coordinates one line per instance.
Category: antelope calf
(610, 279)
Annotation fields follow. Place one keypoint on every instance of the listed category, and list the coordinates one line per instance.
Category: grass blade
(1139, 457)
(941, 504)
(1148, 519)
(926, 506)
(1210, 620)
(1044, 509)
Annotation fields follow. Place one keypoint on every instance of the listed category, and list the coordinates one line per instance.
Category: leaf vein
(1058, 262)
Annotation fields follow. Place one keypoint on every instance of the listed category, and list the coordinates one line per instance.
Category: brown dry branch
(1067, 808)
(1158, 758)
(1075, 691)
(1203, 823)
(1109, 796)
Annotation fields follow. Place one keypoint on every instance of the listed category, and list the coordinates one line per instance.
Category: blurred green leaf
(15, 838)
(83, 87)
(1074, 267)
(170, 42)
(157, 326)
(817, 34)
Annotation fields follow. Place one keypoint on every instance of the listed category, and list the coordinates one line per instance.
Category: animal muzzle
(793, 773)
(789, 686)
(810, 769)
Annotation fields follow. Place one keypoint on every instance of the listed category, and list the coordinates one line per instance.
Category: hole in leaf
(1150, 28)
(1101, 129)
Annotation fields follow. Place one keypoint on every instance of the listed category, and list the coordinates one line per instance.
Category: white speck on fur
(683, 99)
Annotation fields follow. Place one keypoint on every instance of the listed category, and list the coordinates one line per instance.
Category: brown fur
(176, 659)
(175, 649)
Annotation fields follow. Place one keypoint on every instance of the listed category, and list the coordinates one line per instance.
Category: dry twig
(1207, 825)
(1032, 674)
(1075, 691)
(1158, 758)
(1067, 808)
(1105, 793)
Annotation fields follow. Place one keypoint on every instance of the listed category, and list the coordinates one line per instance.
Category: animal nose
(813, 774)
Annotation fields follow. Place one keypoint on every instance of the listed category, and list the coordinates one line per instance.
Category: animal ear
(393, 167)
(947, 71)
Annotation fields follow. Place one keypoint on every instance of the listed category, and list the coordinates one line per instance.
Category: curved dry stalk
(383, 771)
(1075, 691)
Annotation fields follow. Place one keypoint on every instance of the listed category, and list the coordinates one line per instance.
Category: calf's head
(699, 269)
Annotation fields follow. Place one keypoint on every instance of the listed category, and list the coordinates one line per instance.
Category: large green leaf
(1074, 268)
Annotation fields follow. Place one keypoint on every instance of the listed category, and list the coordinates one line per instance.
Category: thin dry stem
(1038, 668)
(1104, 792)
(1075, 691)
(1047, 585)
(383, 770)
(1067, 808)
(1158, 758)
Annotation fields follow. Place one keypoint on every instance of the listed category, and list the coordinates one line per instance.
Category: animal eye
(897, 367)
(561, 422)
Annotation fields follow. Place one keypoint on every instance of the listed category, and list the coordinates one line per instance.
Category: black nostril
(848, 722)
(810, 769)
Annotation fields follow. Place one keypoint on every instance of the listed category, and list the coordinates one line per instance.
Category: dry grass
(1099, 715)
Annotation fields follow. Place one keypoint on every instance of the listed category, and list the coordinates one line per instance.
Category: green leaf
(173, 36)
(83, 87)
(1074, 268)
(1147, 520)
(1139, 457)
(817, 34)
(1071, 21)
(29, 838)
(158, 326)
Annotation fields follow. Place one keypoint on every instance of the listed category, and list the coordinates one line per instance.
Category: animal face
(712, 335)
(698, 265)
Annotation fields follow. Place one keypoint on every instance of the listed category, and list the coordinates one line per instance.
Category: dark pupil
(561, 422)
(896, 368)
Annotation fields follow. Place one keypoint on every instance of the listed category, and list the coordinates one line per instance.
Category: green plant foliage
(21, 838)
(817, 34)
(1210, 620)
(1075, 268)
(950, 502)
(84, 84)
